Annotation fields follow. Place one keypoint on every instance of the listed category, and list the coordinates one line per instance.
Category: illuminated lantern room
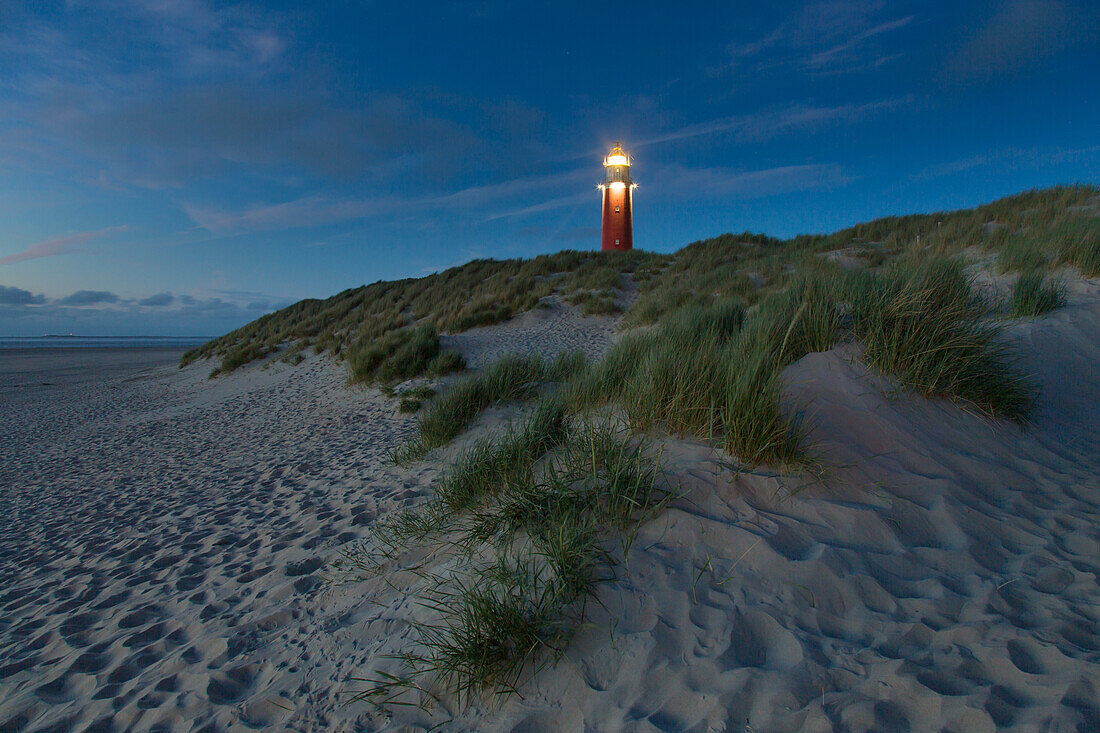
(617, 232)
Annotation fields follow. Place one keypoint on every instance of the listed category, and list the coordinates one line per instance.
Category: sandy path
(543, 332)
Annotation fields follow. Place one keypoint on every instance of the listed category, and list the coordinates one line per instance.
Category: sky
(180, 167)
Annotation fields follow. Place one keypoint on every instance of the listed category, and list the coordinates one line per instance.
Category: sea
(70, 342)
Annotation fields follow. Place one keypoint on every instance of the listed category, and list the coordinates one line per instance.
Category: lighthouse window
(616, 241)
(616, 209)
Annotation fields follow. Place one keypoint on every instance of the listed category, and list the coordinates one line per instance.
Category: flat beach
(165, 537)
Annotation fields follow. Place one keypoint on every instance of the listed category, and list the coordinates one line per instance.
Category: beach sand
(164, 537)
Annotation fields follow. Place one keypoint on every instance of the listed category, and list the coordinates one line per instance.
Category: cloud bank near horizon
(104, 313)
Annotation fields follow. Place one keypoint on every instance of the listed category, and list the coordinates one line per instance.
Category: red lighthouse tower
(618, 194)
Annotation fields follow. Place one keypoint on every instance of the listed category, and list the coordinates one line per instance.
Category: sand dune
(164, 539)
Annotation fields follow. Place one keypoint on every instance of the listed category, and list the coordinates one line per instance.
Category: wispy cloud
(159, 300)
(834, 54)
(59, 246)
(203, 36)
(1020, 34)
(833, 37)
(773, 123)
(309, 211)
(547, 205)
(479, 202)
(519, 187)
(751, 184)
(1010, 159)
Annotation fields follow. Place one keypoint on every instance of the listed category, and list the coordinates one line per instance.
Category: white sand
(163, 535)
(541, 332)
(159, 531)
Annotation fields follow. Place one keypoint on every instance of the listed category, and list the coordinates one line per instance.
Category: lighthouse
(618, 193)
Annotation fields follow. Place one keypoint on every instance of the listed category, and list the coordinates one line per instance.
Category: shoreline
(79, 366)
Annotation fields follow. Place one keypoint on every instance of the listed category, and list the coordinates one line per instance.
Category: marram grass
(1031, 231)
(921, 326)
(400, 355)
(1034, 294)
(511, 378)
(538, 511)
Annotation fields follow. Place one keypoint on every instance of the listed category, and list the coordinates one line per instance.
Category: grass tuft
(921, 326)
(598, 303)
(567, 365)
(1033, 294)
(419, 392)
(398, 355)
(499, 460)
(541, 503)
(713, 371)
(496, 622)
(445, 362)
(239, 357)
(511, 378)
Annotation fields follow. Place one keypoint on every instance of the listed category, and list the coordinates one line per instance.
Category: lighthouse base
(618, 219)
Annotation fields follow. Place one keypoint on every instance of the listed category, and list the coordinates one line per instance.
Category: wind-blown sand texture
(541, 332)
(164, 536)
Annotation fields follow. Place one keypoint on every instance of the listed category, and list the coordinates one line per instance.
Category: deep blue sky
(182, 166)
